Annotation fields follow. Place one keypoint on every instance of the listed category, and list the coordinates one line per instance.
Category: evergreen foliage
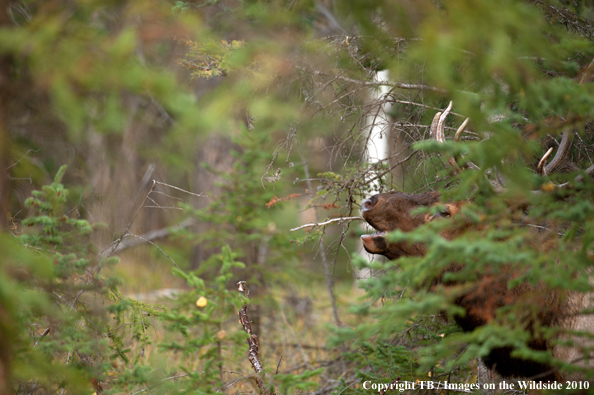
(98, 85)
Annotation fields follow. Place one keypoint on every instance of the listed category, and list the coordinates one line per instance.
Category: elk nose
(366, 205)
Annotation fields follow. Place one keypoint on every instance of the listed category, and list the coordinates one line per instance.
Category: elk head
(389, 211)
(392, 210)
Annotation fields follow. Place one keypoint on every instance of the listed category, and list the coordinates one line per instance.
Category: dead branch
(341, 219)
(412, 103)
(582, 26)
(110, 250)
(378, 83)
(119, 245)
(179, 189)
(389, 169)
(254, 347)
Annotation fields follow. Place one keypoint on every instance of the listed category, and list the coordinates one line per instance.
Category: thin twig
(22, 157)
(119, 240)
(165, 207)
(341, 219)
(412, 103)
(179, 189)
(154, 245)
(378, 83)
(379, 175)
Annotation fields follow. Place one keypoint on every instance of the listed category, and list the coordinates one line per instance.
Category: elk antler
(566, 141)
(560, 157)
(461, 129)
(437, 130)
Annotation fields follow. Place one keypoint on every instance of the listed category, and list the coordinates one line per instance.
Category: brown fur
(390, 211)
(538, 306)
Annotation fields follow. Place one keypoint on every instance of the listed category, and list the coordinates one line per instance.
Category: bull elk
(481, 300)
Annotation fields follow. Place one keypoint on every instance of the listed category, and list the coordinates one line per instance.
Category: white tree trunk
(379, 125)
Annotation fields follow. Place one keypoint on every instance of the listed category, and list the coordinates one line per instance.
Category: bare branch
(116, 243)
(179, 189)
(22, 157)
(399, 85)
(254, 346)
(165, 207)
(412, 103)
(379, 175)
(341, 219)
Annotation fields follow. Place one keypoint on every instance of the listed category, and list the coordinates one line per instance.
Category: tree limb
(341, 219)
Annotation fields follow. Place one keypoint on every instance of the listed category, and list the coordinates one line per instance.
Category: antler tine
(562, 153)
(461, 129)
(541, 163)
(440, 135)
(438, 131)
(433, 128)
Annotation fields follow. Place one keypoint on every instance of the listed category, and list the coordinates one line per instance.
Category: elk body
(390, 211)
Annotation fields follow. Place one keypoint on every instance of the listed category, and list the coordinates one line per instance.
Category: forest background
(155, 153)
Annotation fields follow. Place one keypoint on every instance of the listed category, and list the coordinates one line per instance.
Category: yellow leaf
(548, 187)
(201, 302)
